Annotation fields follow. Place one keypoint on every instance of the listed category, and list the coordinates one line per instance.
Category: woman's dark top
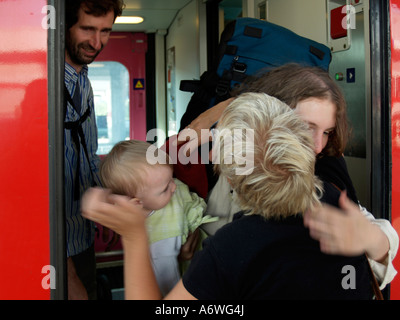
(335, 176)
(254, 258)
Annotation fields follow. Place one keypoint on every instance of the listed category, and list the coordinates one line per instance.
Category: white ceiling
(157, 14)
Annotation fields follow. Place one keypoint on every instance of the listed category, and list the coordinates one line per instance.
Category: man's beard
(76, 54)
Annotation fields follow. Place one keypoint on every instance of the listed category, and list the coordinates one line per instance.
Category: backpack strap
(78, 138)
(237, 72)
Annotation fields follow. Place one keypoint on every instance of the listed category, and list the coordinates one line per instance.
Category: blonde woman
(319, 102)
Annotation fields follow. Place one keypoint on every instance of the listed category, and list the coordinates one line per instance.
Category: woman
(317, 99)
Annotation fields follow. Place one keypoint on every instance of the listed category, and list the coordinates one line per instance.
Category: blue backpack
(248, 46)
(258, 45)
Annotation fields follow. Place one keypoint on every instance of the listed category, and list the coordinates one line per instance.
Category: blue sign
(351, 75)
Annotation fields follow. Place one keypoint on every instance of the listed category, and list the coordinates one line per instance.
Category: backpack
(248, 46)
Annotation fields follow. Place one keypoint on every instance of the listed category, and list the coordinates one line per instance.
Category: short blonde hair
(124, 169)
(282, 182)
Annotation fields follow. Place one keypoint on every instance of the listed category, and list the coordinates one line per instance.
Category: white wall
(184, 36)
(304, 17)
(161, 103)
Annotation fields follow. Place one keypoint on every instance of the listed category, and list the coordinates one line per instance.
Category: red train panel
(24, 160)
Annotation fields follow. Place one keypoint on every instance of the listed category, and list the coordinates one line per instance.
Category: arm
(346, 231)
(201, 126)
(334, 172)
(352, 231)
(126, 218)
(209, 117)
(140, 283)
(384, 271)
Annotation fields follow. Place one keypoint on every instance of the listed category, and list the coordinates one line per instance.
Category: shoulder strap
(78, 137)
(67, 98)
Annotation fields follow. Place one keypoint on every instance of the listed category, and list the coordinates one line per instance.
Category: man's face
(87, 38)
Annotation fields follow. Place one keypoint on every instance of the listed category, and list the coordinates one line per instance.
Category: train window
(110, 83)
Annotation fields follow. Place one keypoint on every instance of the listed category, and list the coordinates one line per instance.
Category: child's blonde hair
(282, 182)
(124, 169)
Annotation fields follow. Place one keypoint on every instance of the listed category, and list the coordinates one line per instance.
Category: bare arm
(209, 117)
(140, 281)
(126, 217)
(200, 126)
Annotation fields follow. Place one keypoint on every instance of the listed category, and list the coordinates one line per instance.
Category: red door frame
(24, 161)
(395, 120)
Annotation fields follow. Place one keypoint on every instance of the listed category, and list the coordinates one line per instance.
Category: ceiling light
(129, 20)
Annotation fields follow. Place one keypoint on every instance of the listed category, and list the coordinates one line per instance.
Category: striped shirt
(79, 231)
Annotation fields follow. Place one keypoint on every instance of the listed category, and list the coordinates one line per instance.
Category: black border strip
(381, 159)
(381, 164)
(56, 49)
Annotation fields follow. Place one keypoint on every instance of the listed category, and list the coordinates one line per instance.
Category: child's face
(158, 189)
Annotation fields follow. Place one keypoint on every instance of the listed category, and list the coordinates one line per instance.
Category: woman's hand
(189, 248)
(122, 214)
(346, 232)
(126, 217)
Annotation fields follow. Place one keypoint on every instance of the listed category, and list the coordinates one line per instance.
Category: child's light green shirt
(182, 215)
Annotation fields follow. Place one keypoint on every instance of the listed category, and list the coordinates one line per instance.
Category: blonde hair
(282, 182)
(124, 169)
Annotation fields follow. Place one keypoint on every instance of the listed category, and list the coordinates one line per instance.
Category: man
(88, 25)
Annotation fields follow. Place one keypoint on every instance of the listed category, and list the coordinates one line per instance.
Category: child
(172, 211)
